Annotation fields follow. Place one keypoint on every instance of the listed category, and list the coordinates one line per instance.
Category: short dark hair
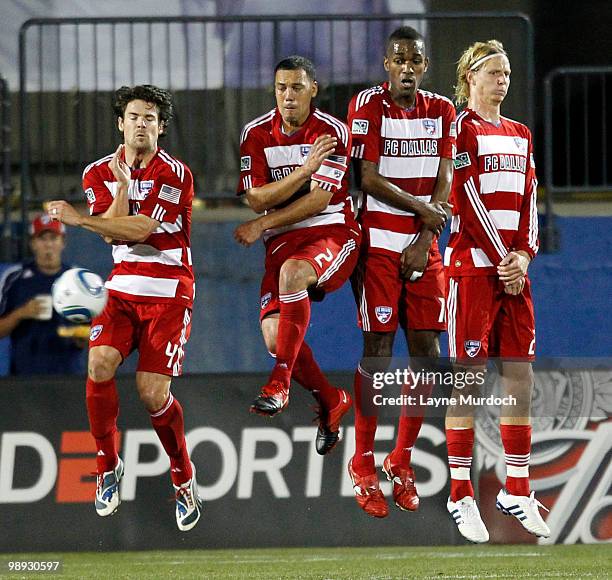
(296, 62)
(404, 33)
(148, 93)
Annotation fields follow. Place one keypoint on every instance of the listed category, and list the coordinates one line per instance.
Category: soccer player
(140, 200)
(294, 162)
(494, 237)
(403, 144)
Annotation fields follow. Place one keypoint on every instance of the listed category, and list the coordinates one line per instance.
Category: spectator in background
(26, 312)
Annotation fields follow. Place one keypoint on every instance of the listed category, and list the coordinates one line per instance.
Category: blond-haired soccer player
(494, 237)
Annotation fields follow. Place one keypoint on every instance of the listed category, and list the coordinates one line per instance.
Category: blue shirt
(36, 347)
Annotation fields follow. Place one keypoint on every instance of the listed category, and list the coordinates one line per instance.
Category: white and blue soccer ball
(79, 295)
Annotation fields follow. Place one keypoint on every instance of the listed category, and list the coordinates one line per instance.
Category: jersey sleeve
(98, 196)
(448, 142)
(526, 238)
(330, 174)
(364, 123)
(254, 171)
(8, 277)
(468, 205)
(171, 192)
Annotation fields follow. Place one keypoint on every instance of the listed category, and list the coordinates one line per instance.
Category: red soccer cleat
(274, 397)
(368, 494)
(328, 433)
(404, 491)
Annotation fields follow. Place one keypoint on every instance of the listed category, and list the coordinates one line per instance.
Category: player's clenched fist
(63, 212)
(249, 232)
(321, 149)
(434, 216)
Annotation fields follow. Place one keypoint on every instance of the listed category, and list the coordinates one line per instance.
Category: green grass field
(380, 563)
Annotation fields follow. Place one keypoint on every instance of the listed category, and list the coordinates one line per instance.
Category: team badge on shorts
(265, 300)
(472, 347)
(95, 331)
(383, 313)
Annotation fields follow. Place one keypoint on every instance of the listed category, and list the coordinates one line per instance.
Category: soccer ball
(79, 295)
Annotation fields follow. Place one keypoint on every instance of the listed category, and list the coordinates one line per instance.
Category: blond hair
(469, 58)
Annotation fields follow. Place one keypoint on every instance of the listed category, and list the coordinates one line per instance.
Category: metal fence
(220, 70)
(576, 140)
(5, 187)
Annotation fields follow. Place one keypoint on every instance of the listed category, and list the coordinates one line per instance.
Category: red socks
(307, 372)
(103, 408)
(517, 447)
(292, 325)
(460, 443)
(366, 419)
(170, 428)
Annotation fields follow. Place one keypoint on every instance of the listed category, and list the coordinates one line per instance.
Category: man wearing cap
(26, 313)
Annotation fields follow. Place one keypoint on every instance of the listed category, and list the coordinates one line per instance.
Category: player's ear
(426, 61)
(162, 127)
(315, 89)
(120, 123)
(386, 63)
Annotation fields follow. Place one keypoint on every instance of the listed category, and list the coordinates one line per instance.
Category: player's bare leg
(333, 403)
(167, 419)
(294, 279)
(102, 408)
(460, 442)
(516, 498)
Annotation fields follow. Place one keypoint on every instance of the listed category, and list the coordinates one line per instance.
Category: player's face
(141, 126)
(406, 64)
(47, 249)
(294, 92)
(490, 83)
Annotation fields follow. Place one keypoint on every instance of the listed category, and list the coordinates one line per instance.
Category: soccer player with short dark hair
(403, 145)
(294, 164)
(140, 201)
(494, 237)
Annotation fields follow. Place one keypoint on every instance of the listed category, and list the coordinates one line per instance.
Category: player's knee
(296, 275)
(152, 398)
(102, 365)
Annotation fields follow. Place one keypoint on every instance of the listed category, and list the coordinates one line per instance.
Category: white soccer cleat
(525, 509)
(188, 503)
(107, 490)
(467, 517)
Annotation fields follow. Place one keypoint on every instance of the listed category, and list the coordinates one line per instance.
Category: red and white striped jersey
(268, 154)
(493, 195)
(407, 146)
(159, 268)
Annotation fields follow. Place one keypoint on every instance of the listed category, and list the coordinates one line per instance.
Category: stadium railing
(576, 137)
(220, 71)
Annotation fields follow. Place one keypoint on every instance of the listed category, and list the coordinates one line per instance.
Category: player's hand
(63, 212)
(321, 149)
(413, 261)
(434, 215)
(513, 267)
(32, 309)
(249, 232)
(120, 168)
(516, 288)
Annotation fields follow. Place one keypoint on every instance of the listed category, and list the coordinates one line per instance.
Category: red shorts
(484, 321)
(331, 250)
(384, 298)
(158, 331)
